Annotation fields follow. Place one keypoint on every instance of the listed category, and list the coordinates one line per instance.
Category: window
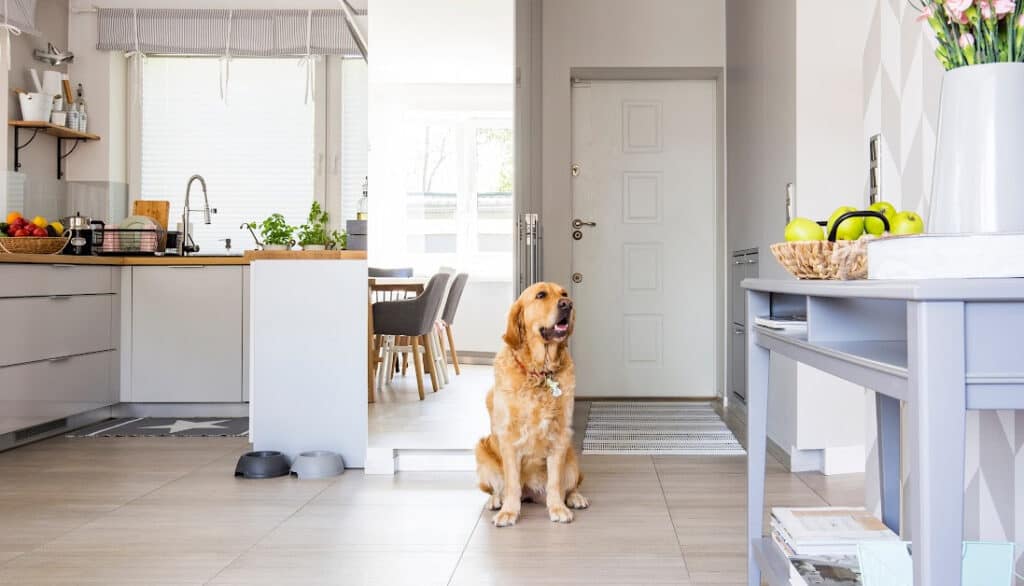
(355, 141)
(255, 150)
(458, 194)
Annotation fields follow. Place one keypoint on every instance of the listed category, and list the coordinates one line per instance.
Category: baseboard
(12, 439)
(779, 453)
(844, 460)
(708, 399)
(387, 461)
(476, 358)
(180, 410)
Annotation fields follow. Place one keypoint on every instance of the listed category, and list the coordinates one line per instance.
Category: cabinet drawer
(56, 279)
(43, 391)
(37, 328)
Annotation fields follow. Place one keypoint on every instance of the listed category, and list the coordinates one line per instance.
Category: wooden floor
(169, 511)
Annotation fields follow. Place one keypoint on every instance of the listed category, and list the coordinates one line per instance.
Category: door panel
(646, 303)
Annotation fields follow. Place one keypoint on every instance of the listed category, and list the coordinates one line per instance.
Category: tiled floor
(453, 418)
(169, 511)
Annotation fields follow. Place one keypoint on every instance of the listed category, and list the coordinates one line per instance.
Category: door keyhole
(577, 235)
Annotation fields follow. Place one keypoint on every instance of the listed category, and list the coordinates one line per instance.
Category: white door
(646, 296)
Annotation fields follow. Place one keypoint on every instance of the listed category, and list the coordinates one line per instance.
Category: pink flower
(956, 9)
(1004, 7)
(966, 40)
(927, 13)
(986, 9)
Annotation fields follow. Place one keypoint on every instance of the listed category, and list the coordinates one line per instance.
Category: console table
(940, 347)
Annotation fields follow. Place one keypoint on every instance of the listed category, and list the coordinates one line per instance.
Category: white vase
(978, 179)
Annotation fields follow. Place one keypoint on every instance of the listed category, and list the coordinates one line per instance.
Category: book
(826, 570)
(946, 256)
(783, 322)
(827, 530)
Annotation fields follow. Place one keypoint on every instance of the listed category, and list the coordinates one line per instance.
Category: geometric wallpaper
(902, 82)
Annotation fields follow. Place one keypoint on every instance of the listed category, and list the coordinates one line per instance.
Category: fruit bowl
(33, 245)
(829, 259)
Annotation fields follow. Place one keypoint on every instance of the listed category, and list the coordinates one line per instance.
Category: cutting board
(156, 209)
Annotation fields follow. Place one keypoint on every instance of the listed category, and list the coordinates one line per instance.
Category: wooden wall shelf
(61, 133)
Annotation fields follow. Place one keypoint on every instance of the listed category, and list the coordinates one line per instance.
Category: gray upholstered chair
(412, 318)
(451, 306)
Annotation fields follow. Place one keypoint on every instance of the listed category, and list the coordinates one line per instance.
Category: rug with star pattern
(166, 427)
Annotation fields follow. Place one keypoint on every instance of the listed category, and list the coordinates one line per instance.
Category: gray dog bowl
(318, 464)
(265, 464)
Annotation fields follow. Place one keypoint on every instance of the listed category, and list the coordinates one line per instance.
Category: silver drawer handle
(59, 359)
(59, 297)
(737, 332)
(63, 266)
(185, 266)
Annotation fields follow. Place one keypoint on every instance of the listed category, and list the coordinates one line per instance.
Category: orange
(13, 216)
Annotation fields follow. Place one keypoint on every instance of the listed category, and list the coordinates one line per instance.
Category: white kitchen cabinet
(186, 334)
(54, 326)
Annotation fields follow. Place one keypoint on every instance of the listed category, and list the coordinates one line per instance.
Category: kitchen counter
(251, 255)
(119, 261)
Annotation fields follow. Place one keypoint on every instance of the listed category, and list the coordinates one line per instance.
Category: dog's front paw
(560, 514)
(576, 500)
(505, 518)
(494, 502)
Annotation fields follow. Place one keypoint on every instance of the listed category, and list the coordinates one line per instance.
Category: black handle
(855, 214)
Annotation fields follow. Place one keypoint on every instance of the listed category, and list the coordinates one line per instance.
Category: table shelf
(61, 133)
(769, 574)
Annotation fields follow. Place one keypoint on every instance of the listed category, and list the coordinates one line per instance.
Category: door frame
(716, 74)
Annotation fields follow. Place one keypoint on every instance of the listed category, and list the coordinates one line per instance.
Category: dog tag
(556, 391)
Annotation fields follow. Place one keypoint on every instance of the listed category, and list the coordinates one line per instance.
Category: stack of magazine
(818, 546)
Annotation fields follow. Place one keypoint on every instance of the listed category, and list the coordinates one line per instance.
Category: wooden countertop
(251, 255)
(64, 259)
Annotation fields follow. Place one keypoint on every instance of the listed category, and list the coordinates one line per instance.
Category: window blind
(255, 151)
(242, 33)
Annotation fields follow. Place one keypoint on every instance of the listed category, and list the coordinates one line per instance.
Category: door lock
(578, 223)
(575, 169)
(577, 235)
(577, 278)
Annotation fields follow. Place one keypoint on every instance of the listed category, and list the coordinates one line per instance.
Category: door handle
(578, 223)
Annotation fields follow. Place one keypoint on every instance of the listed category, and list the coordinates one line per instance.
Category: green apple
(907, 223)
(851, 228)
(802, 229)
(874, 225)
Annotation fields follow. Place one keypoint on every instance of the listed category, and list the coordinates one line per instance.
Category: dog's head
(543, 314)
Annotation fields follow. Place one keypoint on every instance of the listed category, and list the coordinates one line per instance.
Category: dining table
(385, 289)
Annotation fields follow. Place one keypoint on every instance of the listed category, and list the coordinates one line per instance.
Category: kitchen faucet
(185, 242)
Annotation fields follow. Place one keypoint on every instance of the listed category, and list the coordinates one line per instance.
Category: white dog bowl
(318, 464)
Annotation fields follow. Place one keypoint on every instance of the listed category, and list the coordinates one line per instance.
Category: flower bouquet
(972, 32)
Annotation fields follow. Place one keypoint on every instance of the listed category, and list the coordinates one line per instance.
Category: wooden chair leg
(417, 365)
(429, 359)
(451, 348)
(371, 356)
(405, 362)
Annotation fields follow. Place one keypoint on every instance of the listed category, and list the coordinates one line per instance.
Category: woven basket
(33, 245)
(821, 259)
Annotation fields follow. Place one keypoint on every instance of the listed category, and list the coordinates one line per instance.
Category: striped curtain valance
(253, 33)
(20, 14)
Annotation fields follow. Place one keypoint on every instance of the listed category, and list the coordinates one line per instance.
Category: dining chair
(440, 363)
(451, 306)
(413, 318)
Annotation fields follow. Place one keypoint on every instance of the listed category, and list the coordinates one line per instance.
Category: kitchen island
(123, 336)
(307, 335)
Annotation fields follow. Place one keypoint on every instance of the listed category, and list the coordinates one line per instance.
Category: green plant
(314, 231)
(339, 239)
(274, 230)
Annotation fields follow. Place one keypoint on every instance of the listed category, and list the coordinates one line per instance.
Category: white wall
(607, 34)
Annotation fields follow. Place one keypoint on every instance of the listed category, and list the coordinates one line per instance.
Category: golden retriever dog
(529, 451)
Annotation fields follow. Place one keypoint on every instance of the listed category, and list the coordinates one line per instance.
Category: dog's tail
(488, 464)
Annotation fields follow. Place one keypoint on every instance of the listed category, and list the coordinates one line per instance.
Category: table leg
(937, 401)
(758, 360)
(887, 418)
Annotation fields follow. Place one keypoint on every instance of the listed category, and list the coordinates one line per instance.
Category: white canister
(35, 106)
(59, 118)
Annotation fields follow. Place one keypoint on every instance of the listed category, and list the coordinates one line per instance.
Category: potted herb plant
(980, 44)
(314, 235)
(276, 233)
(339, 240)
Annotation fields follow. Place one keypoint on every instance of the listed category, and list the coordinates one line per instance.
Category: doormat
(658, 428)
(166, 427)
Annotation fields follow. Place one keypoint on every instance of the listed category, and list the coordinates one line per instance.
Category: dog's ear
(514, 330)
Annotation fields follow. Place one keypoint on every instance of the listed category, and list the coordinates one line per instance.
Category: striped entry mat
(658, 428)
